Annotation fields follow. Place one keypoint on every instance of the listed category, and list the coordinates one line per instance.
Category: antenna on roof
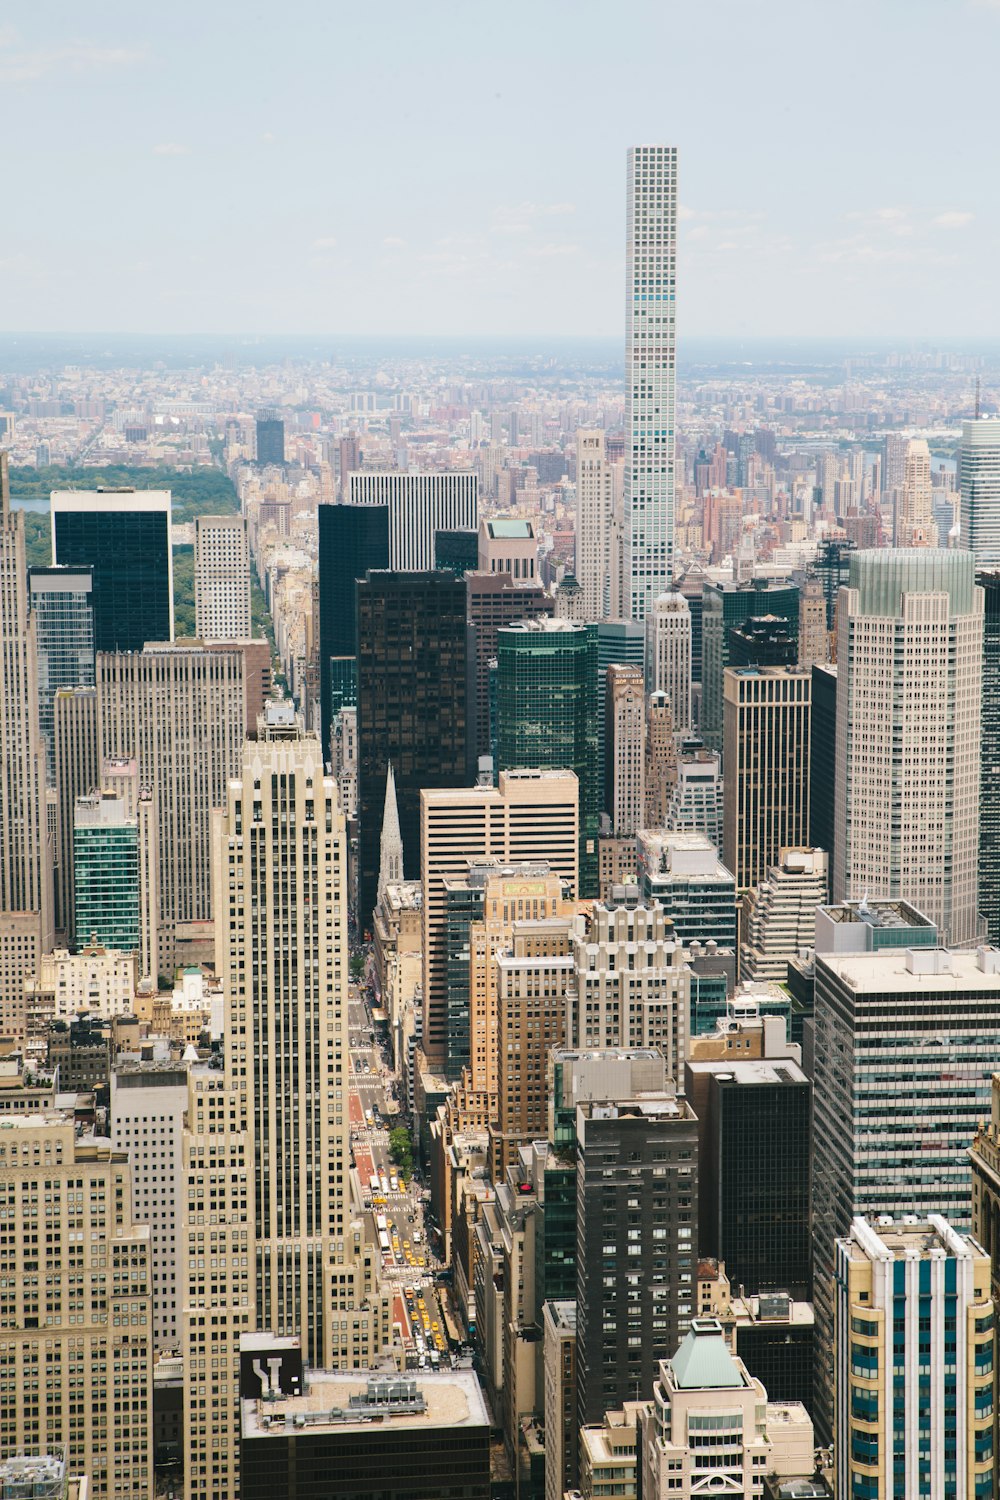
(977, 398)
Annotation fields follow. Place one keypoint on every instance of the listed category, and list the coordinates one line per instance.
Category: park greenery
(401, 1150)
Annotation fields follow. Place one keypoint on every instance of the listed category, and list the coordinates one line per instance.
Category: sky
(438, 168)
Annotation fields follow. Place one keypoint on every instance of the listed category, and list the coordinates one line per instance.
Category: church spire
(390, 865)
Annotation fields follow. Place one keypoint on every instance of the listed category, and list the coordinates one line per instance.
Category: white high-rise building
(419, 505)
(668, 656)
(221, 578)
(595, 504)
(650, 389)
(909, 691)
(979, 480)
(625, 750)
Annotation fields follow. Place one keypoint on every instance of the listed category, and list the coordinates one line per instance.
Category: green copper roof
(703, 1363)
(510, 528)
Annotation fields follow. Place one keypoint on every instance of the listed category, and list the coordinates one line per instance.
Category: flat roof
(452, 1398)
(749, 1071)
(888, 972)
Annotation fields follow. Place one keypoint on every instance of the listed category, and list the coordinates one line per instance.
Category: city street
(394, 1211)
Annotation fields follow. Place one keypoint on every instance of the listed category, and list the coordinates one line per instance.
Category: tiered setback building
(668, 656)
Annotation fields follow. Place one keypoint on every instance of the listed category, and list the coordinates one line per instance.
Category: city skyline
(502, 211)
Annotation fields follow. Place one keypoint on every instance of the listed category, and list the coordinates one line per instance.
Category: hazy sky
(429, 167)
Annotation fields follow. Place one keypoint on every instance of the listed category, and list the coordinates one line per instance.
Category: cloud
(393, 242)
(27, 65)
(171, 148)
(268, 138)
(327, 243)
(953, 218)
(683, 212)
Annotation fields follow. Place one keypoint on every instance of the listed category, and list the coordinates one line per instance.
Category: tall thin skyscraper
(989, 781)
(650, 391)
(979, 481)
(64, 640)
(909, 688)
(221, 578)
(625, 750)
(595, 501)
(124, 536)
(915, 507)
(281, 855)
(25, 855)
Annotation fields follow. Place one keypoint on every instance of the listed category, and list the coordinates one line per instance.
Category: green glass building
(546, 694)
(106, 873)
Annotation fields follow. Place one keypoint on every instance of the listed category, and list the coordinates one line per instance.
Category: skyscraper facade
(413, 690)
(979, 481)
(650, 389)
(625, 750)
(25, 853)
(352, 539)
(529, 816)
(547, 714)
(989, 779)
(270, 437)
(77, 750)
(76, 1321)
(106, 872)
(725, 606)
(178, 711)
(595, 503)
(124, 536)
(495, 599)
(64, 640)
(767, 726)
(418, 505)
(221, 578)
(668, 656)
(909, 687)
(281, 868)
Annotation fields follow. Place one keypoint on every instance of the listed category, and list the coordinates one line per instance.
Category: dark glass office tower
(457, 550)
(753, 1170)
(270, 437)
(636, 1244)
(833, 566)
(413, 692)
(763, 641)
(123, 535)
(64, 640)
(989, 790)
(823, 757)
(727, 606)
(547, 715)
(352, 539)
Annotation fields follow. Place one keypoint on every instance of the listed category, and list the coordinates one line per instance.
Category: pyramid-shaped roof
(703, 1363)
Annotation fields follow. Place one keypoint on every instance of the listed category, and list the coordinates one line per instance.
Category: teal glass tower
(106, 873)
(547, 714)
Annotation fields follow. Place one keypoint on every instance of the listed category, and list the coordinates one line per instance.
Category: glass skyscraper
(64, 639)
(106, 873)
(352, 539)
(547, 712)
(123, 535)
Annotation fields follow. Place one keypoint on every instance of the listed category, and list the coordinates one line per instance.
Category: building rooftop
(345, 1401)
(563, 1314)
(889, 1239)
(510, 527)
(901, 971)
(703, 1362)
(750, 1071)
(877, 913)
